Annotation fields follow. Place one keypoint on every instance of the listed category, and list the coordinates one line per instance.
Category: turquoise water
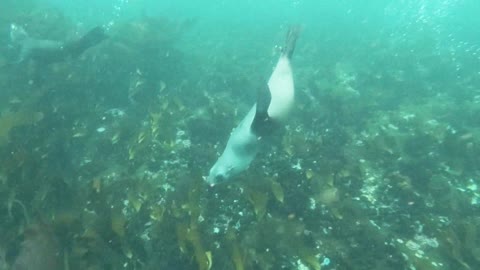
(104, 149)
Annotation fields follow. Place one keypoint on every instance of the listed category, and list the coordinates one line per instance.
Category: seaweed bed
(103, 159)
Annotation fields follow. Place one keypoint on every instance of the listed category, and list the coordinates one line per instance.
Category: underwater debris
(101, 129)
(325, 262)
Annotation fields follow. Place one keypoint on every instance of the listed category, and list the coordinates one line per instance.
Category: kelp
(459, 241)
(40, 250)
(118, 223)
(259, 200)
(10, 120)
(471, 227)
(203, 257)
(12, 201)
(277, 191)
(189, 236)
(188, 218)
(310, 257)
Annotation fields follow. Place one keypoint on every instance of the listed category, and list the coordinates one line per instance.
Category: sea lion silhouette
(272, 107)
(49, 51)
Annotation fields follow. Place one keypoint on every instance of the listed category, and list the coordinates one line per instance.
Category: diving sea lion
(271, 108)
(49, 51)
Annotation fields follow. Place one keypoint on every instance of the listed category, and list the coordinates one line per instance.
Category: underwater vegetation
(9, 120)
(39, 250)
(103, 158)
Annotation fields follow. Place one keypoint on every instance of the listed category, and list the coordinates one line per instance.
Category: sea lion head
(221, 172)
(236, 158)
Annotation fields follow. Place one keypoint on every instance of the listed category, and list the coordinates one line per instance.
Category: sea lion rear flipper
(90, 39)
(291, 40)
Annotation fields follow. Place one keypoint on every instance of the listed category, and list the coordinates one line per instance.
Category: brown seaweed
(40, 250)
(10, 120)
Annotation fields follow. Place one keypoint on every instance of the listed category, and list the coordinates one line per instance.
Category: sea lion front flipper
(262, 124)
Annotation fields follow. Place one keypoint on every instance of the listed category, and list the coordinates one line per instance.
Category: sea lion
(273, 104)
(49, 51)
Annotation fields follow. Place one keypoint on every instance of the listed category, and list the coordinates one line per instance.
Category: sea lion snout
(219, 174)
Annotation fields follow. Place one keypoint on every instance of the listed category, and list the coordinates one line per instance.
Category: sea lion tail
(291, 40)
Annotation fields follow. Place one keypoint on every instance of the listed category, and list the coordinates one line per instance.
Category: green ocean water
(104, 151)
